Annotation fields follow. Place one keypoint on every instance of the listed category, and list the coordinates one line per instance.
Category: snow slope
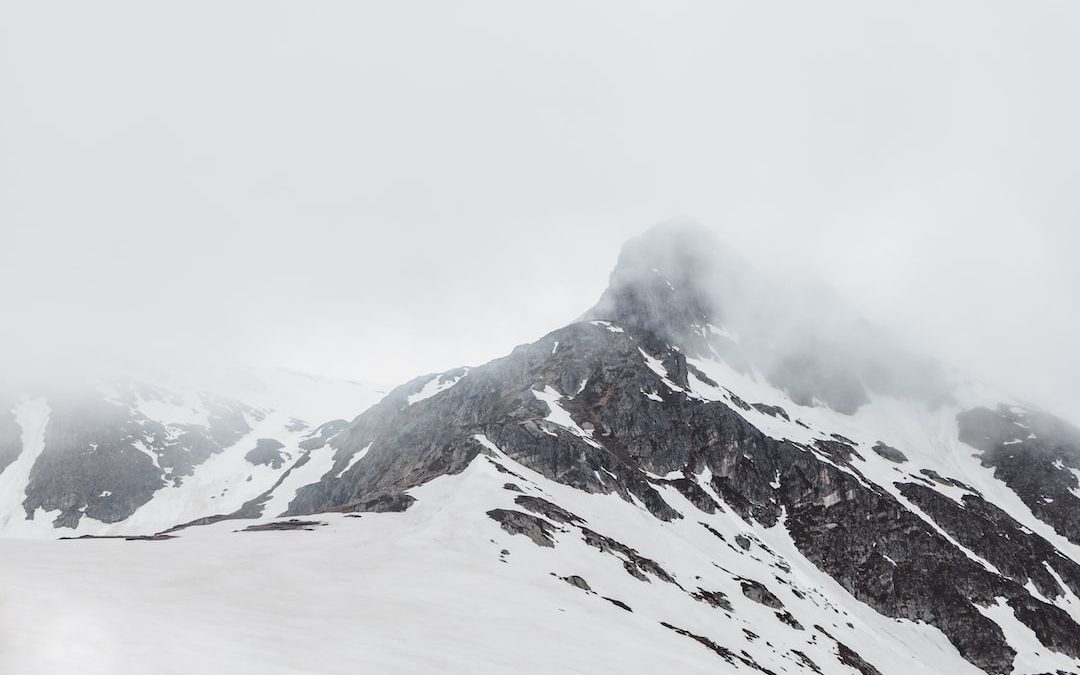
(650, 489)
(430, 591)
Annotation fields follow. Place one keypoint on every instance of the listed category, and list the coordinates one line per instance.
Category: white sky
(380, 189)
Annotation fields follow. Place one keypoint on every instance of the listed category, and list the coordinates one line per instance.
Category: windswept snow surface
(431, 591)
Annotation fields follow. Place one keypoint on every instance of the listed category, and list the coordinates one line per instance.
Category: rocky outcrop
(1036, 455)
(267, 452)
(103, 458)
(93, 463)
(291, 524)
(996, 537)
(757, 592)
(545, 508)
(611, 404)
(540, 531)
(611, 438)
(890, 453)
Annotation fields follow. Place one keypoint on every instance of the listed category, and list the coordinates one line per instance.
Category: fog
(375, 190)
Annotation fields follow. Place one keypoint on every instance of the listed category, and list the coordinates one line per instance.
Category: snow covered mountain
(711, 471)
(122, 453)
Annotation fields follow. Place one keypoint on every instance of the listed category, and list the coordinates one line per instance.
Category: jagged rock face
(638, 402)
(860, 534)
(267, 451)
(103, 459)
(613, 405)
(1035, 454)
(100, 451)
(91, 464)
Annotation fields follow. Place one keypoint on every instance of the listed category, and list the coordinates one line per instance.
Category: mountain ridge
(678, 410)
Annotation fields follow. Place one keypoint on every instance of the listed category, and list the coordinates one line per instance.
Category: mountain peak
(679, 283)
(669, 281)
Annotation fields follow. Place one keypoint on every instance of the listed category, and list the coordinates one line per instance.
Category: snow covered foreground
(430, 590)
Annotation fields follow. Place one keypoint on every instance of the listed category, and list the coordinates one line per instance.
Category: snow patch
(1031, 655)
(559, 415)
(355, 458)
(434, 386)
(657, 367)
(608, 326)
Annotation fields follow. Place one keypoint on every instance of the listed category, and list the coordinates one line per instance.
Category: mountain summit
(680, 283)
(726, 472)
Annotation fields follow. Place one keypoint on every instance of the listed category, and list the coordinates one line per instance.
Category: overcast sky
(376, 190)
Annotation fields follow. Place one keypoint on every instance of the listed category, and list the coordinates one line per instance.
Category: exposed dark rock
(618, 603)
(1034, 454)
(759, 593)
(577, 582)
(772, 410)
(636, 564)
(253, 508)
(545, 508)
(103, 459)
(849, 657)
(786, 617)
(944, 480)
(322, 435)
(805, 660)
(502, 469)
(663, 304)
(92, 463)
(512, 487)
(839, 451)
(890, 453)
(694, 494)
(185, 446)
(932, 580)
(994, 535)
(267, 452)
(284, 525)
(389, 502)
(296, 425)
(857, 532)
(738, 402)
(540, 531)
(714, 598)
(125, 537)
(723, 652)
(712, 530)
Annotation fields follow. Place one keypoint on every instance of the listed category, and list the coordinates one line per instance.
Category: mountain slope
(864, 467)
(126, 453)
(710, 471)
